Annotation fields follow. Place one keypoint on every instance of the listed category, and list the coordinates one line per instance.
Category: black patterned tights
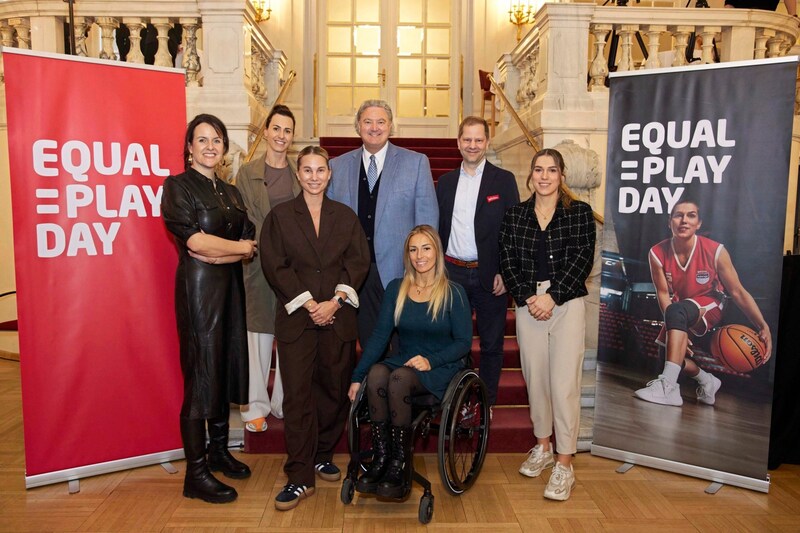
(389, 393)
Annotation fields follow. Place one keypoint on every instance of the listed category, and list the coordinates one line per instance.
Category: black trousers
(370, 298)
(490, 315)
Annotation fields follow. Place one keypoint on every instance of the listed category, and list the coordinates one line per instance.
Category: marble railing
(566, 52)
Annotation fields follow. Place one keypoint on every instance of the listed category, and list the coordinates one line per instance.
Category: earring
(190, 159)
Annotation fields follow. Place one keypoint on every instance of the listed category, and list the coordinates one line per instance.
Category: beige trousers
(551, 353)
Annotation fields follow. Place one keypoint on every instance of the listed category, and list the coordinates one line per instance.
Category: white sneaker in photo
(707, 392)
(561, 482)
(661, 391)
(537, 461)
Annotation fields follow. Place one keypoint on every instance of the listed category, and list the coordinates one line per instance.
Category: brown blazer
(295, 260)
(261, 301)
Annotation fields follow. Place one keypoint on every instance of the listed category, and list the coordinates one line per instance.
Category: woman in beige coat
(265, 183)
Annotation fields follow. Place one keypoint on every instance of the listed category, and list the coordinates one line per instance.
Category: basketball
(738, 348)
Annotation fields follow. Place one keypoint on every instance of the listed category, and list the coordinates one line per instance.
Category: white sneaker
(661, 391)
(561, 482)
(707, 392)
(537, 461)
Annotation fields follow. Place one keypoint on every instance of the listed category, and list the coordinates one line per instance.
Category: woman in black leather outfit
(213, 234)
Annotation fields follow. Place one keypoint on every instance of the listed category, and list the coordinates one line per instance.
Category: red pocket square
(492, 198)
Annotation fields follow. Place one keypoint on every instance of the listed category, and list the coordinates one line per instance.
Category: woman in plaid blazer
(547, 250)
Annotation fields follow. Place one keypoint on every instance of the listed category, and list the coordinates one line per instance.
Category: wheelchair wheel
(348, 491)
(426, 508)
(463, 434)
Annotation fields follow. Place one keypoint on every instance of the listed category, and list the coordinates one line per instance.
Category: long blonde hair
(441, 293)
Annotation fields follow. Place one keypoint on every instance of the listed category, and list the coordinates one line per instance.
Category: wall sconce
(520, 12)
(263, 9)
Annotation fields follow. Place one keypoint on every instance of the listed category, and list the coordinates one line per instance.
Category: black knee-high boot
(395, 483)
(219, 458)
(199, 482)
(368, 483)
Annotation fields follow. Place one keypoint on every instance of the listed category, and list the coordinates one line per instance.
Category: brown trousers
(316, 371)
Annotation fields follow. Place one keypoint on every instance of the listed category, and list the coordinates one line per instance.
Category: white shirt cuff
(352, 295)
(298, 302)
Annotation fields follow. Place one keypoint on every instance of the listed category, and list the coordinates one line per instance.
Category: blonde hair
(441, 293)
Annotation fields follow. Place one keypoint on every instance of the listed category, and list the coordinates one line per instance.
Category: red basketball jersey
(698, 277)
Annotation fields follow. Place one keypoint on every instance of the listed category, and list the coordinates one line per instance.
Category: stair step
(510, 353)
(511, 325)
(405, 142)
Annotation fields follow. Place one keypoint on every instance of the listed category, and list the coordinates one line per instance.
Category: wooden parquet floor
(149, 499)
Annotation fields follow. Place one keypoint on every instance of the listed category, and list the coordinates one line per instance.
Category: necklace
(421, 288)
(541, 213)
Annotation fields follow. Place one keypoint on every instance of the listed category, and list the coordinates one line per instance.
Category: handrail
(278, 100)
(529, 138)
(531, 141)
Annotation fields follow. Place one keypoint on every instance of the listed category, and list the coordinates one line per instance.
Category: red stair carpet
(511, 429)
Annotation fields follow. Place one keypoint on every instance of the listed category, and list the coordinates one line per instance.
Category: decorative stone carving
(107, 27)
(583, 169)
(82, 25)
(135, 26)
(257, 66)
(708, 33)
(230, 164)
(23, 28)
(7, 35)
(191, 61)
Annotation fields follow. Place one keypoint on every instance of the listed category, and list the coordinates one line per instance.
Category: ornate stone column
(191, 61)
(81, 25)
(23, 27)
(107, 27)
(273, 77)
(599, 69)
(134, 25)
(163, 57)
(653, 33)
(681, 43)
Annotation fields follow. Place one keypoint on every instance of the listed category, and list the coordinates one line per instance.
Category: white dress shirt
(380, 158)
(462, 231)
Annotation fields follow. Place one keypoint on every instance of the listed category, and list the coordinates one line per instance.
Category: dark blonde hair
(473, 121)
(563, 196)
(314, 150)
(441, 293)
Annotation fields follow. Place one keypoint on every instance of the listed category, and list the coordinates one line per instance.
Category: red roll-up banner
(90, 143)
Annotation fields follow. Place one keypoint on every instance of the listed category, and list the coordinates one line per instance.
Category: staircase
(511, 429)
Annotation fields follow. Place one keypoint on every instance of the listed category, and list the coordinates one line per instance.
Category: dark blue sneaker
(291, 495)
(328, 471)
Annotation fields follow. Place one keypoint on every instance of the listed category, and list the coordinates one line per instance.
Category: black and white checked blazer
(570, 247)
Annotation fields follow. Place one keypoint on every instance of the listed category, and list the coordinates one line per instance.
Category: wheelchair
(462, 422)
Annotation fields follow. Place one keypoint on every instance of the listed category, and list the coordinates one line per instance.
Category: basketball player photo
(694, 279)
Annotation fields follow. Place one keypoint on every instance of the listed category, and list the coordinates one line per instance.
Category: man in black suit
(472, 201)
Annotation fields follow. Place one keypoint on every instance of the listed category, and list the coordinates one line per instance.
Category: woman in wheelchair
(434, 325)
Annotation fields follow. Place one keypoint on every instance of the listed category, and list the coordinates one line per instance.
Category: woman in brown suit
(315, 255)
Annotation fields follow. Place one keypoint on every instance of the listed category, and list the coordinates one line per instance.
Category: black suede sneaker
(328, 471)
(291, 495)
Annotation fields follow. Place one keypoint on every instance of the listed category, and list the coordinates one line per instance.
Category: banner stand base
(713, 488)
(169, 468)
(624, 468)
(72, 475)
(682, 468)
(74, 486)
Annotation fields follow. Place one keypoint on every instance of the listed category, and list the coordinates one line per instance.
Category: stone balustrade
(566, 52)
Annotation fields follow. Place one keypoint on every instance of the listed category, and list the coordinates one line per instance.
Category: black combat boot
(396, 483)
(368, 483)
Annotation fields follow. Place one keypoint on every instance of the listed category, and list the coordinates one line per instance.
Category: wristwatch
(338, 301)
